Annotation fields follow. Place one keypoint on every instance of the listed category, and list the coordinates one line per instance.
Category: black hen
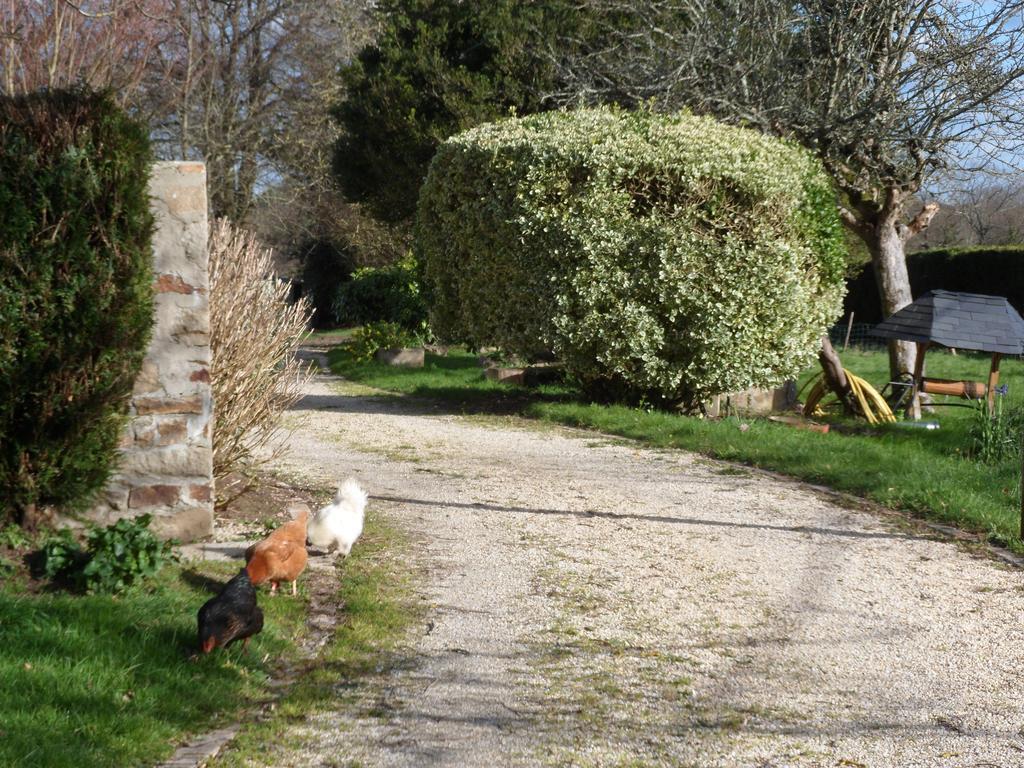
(231, 615)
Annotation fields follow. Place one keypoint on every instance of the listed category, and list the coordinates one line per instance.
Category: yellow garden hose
(872, 405)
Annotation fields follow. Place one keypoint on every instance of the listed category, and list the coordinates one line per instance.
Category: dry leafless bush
(254, 333)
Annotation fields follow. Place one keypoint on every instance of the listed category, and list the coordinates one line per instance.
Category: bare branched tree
(991, 210)
(244, 85)
(886, 92)
(253, 81)
(60, 43)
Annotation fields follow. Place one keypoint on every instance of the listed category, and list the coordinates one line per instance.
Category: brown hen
(281, 556)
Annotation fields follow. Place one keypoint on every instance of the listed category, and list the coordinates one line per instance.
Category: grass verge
(921, 471)
(376, 608)
(98, 680)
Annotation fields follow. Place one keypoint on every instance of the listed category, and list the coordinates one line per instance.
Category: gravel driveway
(595, 603)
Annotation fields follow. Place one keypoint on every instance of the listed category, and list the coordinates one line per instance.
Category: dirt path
(594, 603)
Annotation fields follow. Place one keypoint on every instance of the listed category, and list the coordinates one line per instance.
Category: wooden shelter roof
(959, 320)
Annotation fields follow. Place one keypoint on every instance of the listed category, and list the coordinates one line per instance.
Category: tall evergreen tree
(437, 68)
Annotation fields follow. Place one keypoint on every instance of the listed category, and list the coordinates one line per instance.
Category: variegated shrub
(666, 257)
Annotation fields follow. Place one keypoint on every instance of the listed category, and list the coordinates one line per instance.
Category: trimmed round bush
(76, 304)
(664, 257)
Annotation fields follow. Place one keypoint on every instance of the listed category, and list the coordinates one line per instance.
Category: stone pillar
(166, 463)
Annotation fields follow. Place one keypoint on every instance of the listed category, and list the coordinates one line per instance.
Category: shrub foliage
(367, 340)
(75, 291)
(436, 68)
(658, 257)
(254, 334)
(388, 294)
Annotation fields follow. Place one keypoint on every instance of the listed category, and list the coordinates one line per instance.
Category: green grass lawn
(101, 681)
(925, 472)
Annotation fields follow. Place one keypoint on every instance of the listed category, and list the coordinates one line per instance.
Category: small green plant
(374, 336)
(14, 537)
(996, 437)
(115, 557)
(267, 526)
(60, 557)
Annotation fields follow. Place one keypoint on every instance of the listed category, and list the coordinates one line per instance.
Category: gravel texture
(594, 603)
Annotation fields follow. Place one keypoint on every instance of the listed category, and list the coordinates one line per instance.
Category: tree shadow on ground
(670, 519)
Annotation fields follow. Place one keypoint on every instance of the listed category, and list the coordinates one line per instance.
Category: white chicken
(339, 524)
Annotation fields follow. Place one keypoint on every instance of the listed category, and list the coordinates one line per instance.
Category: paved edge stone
(197, 752)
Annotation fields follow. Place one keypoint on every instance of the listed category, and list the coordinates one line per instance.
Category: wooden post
(915, 393)
(993, 380)
(849, 327)
(835, 376)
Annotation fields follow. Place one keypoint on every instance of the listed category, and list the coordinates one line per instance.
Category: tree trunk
(34, 518)
(889, 259)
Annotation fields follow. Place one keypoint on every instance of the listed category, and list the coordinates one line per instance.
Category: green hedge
(986, 269)
(388, 294)
(75, 291)
(658, 257)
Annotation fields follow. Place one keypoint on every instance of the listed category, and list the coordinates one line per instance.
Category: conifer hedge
(75, 291)
(660, 257)
(993, 270)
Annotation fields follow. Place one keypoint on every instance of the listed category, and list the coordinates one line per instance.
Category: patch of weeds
(721, 720)
(439, 472)
(583, 600)
(114, 558)
(401, 453)
(729, 471)
(407, 454)
(996, 438)
(494, 421)
(347, 388)
(726, 719)
(15, 537)
(601, 691)
(611, 442)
